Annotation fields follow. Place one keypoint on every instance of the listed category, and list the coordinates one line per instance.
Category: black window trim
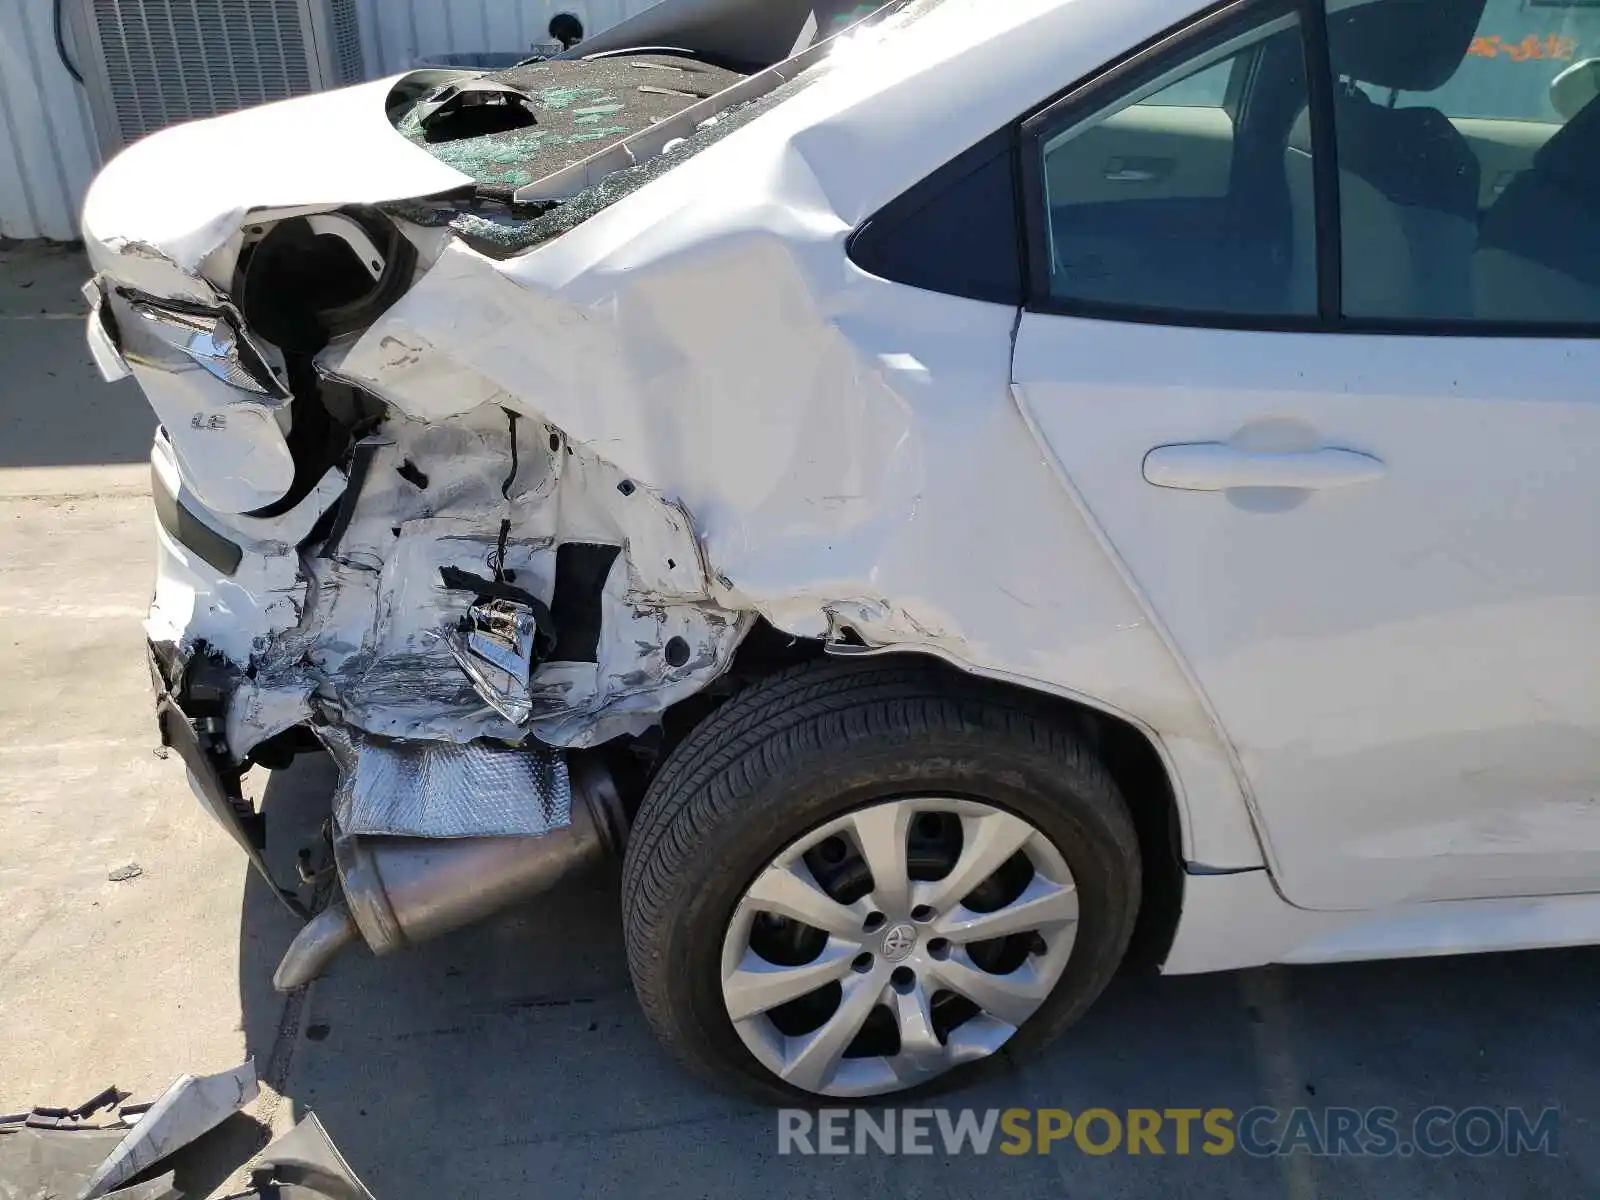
(932, 190)
(1083, 98)
(1329, 214)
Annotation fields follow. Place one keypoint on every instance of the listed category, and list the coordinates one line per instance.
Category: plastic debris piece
(190, 1107)
(306, 1161)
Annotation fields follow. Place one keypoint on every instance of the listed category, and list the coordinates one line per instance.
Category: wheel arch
(1132, 754)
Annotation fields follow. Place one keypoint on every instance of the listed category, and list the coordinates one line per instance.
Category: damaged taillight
(213, 390)
(163, 337)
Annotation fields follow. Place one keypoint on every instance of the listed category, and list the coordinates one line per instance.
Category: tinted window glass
(1205, 88)
(1469, 159)
(1519, 47)
(1170, 200)
(956, 232)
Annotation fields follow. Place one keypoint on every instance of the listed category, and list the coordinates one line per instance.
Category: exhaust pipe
(399, 891)
(314, 947)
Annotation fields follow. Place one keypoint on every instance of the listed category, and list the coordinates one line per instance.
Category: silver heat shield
(446, 789)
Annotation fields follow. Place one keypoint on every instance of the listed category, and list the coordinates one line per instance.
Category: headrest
(1570, 156)
(1411, 45)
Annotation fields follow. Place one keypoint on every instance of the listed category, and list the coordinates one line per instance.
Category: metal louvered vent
(151, 63)
(345, 28)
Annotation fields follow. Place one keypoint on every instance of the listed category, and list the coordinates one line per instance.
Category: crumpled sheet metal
(267, 705)
(376, 619)
(495, 650)
(849, 448)
(822, 426)
(841, 443)
(445, 789)
(253, 159)
(239, 614)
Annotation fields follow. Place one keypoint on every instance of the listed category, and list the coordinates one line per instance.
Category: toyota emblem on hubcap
(900, 941)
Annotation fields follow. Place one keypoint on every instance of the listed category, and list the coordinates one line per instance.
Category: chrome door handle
(1137, 168)
(1217, 467)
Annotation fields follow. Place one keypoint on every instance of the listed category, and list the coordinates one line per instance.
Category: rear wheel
(857, 879)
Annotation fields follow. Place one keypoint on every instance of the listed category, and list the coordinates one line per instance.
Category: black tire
(809, 744)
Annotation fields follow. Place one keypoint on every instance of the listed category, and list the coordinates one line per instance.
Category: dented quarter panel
(701, 378)
(869, 471)
(848, 447)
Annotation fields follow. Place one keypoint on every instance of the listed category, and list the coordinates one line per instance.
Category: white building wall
(396, 33)
(47, 146)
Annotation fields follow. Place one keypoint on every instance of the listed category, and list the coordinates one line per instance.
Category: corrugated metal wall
(47, 154)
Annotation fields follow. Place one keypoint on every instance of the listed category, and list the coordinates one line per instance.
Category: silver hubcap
(885, 947)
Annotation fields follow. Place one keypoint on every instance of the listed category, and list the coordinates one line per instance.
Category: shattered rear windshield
(542, 116)
(580, 106)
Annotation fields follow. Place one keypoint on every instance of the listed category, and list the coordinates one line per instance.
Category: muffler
(398, 891)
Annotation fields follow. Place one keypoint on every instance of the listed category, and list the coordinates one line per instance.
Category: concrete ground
(511, 1060)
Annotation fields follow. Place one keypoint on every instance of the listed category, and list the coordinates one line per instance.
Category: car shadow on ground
(511, 1059)
(55, 409)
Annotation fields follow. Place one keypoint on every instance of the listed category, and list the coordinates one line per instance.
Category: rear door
(1370, 533)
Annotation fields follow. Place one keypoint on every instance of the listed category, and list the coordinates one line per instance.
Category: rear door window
(1469, 160)
(1519, 49)
(1173, 200)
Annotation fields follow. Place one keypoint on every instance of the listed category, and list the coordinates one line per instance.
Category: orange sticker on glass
(1532, 47)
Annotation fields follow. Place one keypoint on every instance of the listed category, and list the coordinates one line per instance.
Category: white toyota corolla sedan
(963, 495)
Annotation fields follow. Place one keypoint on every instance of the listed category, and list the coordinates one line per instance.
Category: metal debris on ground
(50, 1153)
